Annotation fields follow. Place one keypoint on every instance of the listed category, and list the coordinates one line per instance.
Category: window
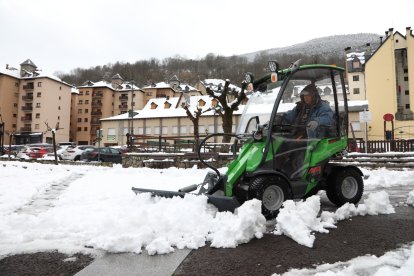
(79, 120)
(164, 130)
(126, 130)
(405, 70)
(15, 104)
(39, 84)
(80, 102)
(39, 94)
(58, 117)
(175, 130)
(355, 78)
(85, 129)
(37, 115)
(407, 106)
(183, 129)
(58, 107)
(148, 93)
(79, 129)
(85, 120)
(356, 90)
(407, 92)
(16, 84)
(14, 115)
(156, 130)
(60, 98)
(36, 126)
(201, 129)
(86, 110)
(210, 128)
(140, 130)
(79, 111)
(356, 64)
(86, 101)
(38, 105)
(148, 130)
(80, 93)
(14, 125)
(406, 78)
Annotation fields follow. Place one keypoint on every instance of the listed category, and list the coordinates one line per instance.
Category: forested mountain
(329, 50)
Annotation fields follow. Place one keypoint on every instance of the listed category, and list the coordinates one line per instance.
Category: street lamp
(131, 132)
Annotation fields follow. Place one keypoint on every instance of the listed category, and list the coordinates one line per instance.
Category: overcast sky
(60, 35)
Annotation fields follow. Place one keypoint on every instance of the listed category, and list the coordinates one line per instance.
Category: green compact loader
(279, 159)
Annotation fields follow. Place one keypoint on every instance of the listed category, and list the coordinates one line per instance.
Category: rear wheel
(345, 185)
(77, 158)
(272, 191)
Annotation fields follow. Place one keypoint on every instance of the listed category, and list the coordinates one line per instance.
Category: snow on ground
(299, 220)
(410, 199)
(93, 210)
(399, 262)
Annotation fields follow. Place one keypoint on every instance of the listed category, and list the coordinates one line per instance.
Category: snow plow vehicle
(283, 157)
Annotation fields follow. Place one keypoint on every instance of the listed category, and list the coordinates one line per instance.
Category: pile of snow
(410, 199)
(383, 178)
(397, 263)
(98, 210)
(298, 220)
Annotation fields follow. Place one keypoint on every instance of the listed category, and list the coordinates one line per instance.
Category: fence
(358, 145)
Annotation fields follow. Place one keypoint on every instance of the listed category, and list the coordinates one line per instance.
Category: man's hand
(312, 125)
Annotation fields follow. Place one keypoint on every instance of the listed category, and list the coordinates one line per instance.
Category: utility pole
(131, 132)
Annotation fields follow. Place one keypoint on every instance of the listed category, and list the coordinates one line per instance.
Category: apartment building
(95, 101)
(32, 103)
(389, 77)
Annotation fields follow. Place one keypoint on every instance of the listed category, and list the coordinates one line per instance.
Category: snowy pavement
(93, 210)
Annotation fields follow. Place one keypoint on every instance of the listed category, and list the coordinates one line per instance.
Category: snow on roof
(359, 55)
(12, 72)
(74, 90)
(155, 108)
(167, 85)
(215, 83)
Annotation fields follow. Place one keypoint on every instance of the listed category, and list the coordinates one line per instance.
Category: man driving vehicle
(311, 112)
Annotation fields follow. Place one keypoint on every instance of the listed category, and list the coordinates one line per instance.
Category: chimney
(390, 31)
(408, 31)
(7, 66)
(380, 40)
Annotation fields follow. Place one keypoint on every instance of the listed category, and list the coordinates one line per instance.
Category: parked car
(102, 154)
(40, 152)
(13, 149)
(74, 153)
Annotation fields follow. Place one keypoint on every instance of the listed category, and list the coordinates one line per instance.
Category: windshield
(260, 104)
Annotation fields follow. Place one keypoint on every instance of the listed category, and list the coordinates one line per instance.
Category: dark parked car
(102, 154)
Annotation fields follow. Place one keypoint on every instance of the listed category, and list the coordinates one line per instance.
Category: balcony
(96, 104)
(97, 96)
(96, 113)
(27, 108)
(26, 129)
(29, 86)
(123, 98)
(95, 123)
(27, 98)
(123, 106)
(26, 119)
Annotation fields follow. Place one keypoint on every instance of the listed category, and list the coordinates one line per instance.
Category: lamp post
(131, 132)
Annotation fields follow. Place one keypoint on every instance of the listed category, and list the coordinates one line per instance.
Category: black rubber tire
(77, 158)
(276, 189)
(345, 186)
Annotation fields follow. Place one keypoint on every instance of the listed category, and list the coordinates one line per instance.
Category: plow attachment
(223, 203)
(209, 187)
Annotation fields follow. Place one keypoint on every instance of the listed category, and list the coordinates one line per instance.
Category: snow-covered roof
(12, 72)
(214, 84)
(163, 84)
(359, 55)
(155, 108)
(74, 90)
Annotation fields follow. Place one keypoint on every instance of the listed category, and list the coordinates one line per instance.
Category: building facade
(34, 103)
(389, 77)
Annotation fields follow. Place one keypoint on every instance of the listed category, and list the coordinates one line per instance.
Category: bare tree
(227, 109)
(194, 116)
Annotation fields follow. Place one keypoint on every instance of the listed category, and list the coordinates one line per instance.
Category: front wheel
(345, 185)
(272, 191)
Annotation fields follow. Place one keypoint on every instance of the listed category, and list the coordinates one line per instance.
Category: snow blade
(223, 203)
